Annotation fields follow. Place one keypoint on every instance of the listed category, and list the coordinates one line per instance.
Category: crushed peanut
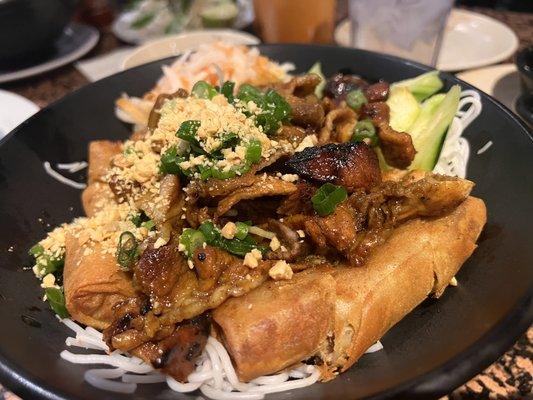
(308, 141)
(49, 281)
(290, 177)
(250, 261)
(275, 244)
(229, 230)
(281, 271)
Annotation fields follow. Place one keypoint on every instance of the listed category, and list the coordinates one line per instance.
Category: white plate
(122, 25)
(169, 46)
(75, 41)
(471, 40)
(500, 81)
(14, 110)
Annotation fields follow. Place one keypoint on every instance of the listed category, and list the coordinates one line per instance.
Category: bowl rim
(451, 374)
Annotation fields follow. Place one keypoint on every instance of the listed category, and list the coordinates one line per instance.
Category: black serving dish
(436, 348)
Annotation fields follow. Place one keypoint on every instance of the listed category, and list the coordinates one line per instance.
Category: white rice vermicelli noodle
(214, 375)
(453, 158)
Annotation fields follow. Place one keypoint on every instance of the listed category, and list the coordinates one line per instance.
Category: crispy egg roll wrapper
(101, 153)
(95, 197)
(418, 260)
(93, 283)
(98, 194)
(277, 324)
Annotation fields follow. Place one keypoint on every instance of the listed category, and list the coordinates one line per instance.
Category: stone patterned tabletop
(508, 378)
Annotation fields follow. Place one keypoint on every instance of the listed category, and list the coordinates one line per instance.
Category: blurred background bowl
(28, 28)
(524, 63)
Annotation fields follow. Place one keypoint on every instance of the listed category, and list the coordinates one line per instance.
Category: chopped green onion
(54, 264)
(327, 197)
(356, 99)
(127, 250)
(148, 224)
(210, 232)
(365, 131)
(205, 172)
(191, 239)
(56, 299)
(170, 162)
(235, 246)
(227, 90)
(203, 90)
(253, 151)
(228, 140)
(274, 108)
(36, 250)
(220, 174)
(138, 218)
(46, 263)
(281, 109)
(248, 93)
(242, 230)
(187, 130)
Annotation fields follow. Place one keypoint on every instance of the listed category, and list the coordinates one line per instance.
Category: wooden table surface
(508, 378)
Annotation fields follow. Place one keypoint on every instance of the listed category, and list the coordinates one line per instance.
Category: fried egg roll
(98, 194)
(96, 197)
(101, 152)
(418, 260)
(93, 283)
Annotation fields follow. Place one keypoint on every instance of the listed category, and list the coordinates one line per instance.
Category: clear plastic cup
(411, 29)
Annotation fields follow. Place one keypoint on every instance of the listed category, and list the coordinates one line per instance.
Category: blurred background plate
(500, 81)
(471, 40)
(169, 46)
(76, 41)
(15, 109)
(157, 22)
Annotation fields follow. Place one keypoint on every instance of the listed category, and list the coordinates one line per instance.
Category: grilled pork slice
(364, 220)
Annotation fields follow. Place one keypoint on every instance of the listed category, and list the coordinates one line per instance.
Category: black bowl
(437, 347)
(28, 28)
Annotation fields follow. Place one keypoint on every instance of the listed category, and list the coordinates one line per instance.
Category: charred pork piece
(339, 85)
(154, 117)
(158, 271)
(183, 346)
(352, 165)
(377, 91)
(397, 147)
